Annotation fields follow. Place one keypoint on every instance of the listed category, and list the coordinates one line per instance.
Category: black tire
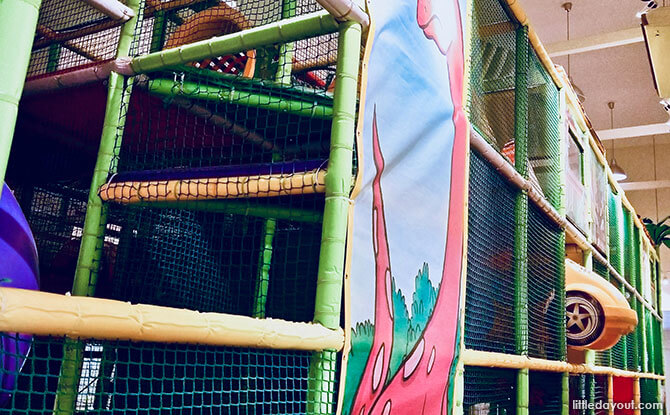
(584, 318)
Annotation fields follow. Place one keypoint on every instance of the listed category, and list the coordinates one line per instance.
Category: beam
(46, 314)
(635, 131)
(650, 185)
(596, 42)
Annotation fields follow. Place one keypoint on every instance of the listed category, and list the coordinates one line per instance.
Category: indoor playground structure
(311, 207)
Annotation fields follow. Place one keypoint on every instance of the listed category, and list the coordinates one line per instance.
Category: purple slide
(18, 269)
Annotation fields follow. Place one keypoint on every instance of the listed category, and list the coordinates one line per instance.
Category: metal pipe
(283, 31)
(344, 10)
(330, 277)
(112, 8)
(18, 20)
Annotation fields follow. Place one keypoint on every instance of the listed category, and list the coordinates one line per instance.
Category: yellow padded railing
(40, 313)
(506, 361)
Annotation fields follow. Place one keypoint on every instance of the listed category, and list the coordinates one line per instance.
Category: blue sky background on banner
(409, 85)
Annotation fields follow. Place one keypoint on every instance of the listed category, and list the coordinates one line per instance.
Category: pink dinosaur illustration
(421, 385)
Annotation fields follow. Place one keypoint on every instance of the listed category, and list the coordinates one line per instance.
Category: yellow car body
(615, 317)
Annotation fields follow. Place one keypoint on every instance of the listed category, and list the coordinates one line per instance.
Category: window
(575, 191)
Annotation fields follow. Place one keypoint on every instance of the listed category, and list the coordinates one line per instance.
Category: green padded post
(54, 56)
(283, 76)
(170, 88)
(523, 392)
(335, 215)
(158, 31)
(565, 389)
(642, 345)
(264, 261)
(591, 392)
(286, 50)
(288, 30)
(521, 216)
(241, 208)
(18, 20)
(94, 222)
(521, 206)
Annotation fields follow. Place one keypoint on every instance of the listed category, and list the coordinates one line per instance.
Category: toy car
(597, 314)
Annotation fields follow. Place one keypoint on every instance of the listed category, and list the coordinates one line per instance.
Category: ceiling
(621, 74)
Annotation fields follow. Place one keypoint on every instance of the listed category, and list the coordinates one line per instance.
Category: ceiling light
(578, 91)
(618, 172)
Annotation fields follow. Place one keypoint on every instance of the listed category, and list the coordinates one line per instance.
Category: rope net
(489, 301)
(489, 390)
(124, 377)
(493, 54)
(71, 34)
(545, 393)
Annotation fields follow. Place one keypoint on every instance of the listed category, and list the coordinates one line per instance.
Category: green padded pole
(565, 389)
(265, 256)
(523, 392)
(18, 20)
(283, 31)
(241, 208)
(330, 278)
(286, 50)
(54, 57)
(158, 31)
(521, 216)
(591, 392)
(94, 222)
(264, 261)
(170, 88)
(642, 324)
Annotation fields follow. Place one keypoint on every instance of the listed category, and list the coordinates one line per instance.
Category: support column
(333, 237)
(92, 239)
(521, 216)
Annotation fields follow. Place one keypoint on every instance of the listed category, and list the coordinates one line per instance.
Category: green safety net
(616, 232)
(493, 54)
(70, 35)
(119, 377)
(602, 357)
(489, 301)
(628, 253)
(545, 393)
(600, 393)
(578, 393)
(632, 338)
(546, 268)
(214, 262)
(489, 390)
(649, 394)
(544, 131)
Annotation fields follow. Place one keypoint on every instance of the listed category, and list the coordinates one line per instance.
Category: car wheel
(584, 318)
